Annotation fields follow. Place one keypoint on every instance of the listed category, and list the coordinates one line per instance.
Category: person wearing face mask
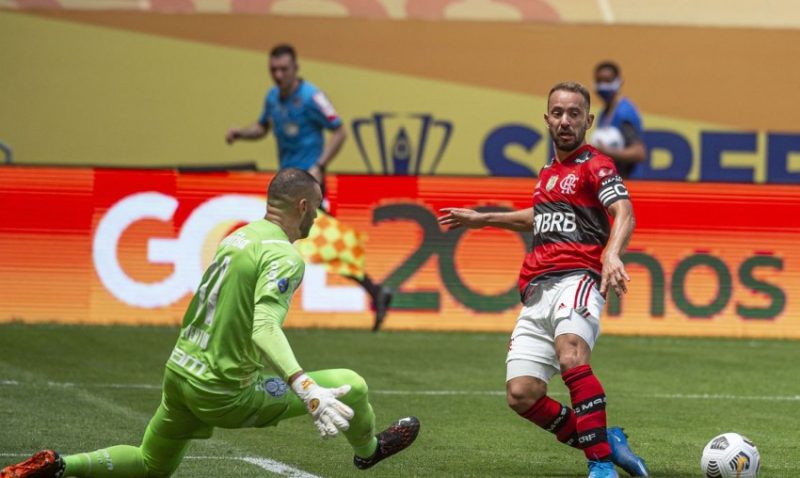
(618, 133)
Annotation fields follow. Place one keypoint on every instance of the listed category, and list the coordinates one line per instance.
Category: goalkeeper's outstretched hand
(330, 415)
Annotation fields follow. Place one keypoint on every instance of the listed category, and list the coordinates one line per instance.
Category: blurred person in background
(298, 113)
(618, 133)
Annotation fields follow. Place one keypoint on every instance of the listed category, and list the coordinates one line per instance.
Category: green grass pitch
(79, 388)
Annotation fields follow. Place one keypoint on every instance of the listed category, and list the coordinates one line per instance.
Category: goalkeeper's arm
(330, 415)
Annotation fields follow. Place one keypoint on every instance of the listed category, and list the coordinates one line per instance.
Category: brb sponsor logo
(402, 144)
(555, 222)
(184, 252)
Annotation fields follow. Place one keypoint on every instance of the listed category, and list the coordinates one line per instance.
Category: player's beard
(306, 223)
(578, 137)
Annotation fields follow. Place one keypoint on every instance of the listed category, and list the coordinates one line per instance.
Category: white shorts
(569, 304)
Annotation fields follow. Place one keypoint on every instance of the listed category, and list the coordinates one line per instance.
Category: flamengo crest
(568, 184)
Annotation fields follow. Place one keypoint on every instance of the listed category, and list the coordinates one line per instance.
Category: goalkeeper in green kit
(231, 331)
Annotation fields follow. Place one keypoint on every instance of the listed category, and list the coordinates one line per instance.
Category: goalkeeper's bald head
(293, 198)
(289, 186)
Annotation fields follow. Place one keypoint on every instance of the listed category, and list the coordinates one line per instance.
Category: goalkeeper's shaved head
(293, 197)
(289, 186)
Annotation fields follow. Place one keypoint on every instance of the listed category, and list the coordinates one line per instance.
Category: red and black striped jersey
(571, 221)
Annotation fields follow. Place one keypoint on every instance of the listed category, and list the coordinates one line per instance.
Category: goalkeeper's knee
(358, 386)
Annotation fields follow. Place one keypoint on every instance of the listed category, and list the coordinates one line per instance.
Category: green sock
(122, 461)
(367, 450)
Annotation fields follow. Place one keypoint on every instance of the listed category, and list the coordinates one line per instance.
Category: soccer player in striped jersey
(575, 260)
(231, 332)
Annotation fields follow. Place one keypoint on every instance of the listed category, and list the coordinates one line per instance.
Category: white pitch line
(446, 393)
(273, 466)
(278, 468)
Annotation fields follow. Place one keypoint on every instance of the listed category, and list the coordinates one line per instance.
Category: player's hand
(614, 276)
(330, 415)
(231, 136)
(455, 217)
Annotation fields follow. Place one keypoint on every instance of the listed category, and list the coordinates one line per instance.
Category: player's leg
(157, 457)
(380, 295)
(165, 442)
(580, 327)
(361, 434)
(577, 327)
(530, 364)
(369, 449)
(270, 401)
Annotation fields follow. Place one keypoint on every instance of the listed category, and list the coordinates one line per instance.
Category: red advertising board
(128, 246)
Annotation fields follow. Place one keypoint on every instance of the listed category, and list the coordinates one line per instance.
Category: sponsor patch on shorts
(275, 387)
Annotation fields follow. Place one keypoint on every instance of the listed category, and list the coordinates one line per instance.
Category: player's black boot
(44, 464)
(399, 436)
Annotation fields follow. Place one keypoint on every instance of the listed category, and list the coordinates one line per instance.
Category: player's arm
(249, 133)
(633, 152)
(255, 131)
(613, 273)
(519, 220)
(330, 415)
(269, 337)
(332, 146)
(279, 275)
(322, 113)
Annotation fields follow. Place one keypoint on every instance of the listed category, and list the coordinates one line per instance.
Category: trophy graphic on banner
(402, 144)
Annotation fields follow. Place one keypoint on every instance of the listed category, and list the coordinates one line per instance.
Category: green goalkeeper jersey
(233, 326)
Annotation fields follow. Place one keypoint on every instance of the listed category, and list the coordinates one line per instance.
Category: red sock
(589, 403)
(555, 418)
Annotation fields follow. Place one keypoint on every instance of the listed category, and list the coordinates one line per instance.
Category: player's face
(604, 75)
(606, 84)
(567, 119)
(310, 213)
(284, 72)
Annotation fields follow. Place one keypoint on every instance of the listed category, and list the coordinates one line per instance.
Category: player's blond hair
(574, 87)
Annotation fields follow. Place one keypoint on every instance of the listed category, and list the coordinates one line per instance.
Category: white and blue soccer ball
(607, 137)
(730, 455)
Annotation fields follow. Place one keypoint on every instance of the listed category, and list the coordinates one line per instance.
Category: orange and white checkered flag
(338, 246)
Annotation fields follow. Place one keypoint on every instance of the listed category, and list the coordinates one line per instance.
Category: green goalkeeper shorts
(188, 412)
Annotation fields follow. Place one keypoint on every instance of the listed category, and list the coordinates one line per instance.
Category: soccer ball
(730, 455)
(608, 137)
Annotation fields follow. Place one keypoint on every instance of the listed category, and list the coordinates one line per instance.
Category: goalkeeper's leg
(165, 442)
(158, 457)
(361, 434)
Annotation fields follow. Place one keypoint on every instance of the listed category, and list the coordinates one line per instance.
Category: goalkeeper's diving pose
(231, 331)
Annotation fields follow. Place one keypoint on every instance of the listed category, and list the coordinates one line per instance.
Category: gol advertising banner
(129, 246)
